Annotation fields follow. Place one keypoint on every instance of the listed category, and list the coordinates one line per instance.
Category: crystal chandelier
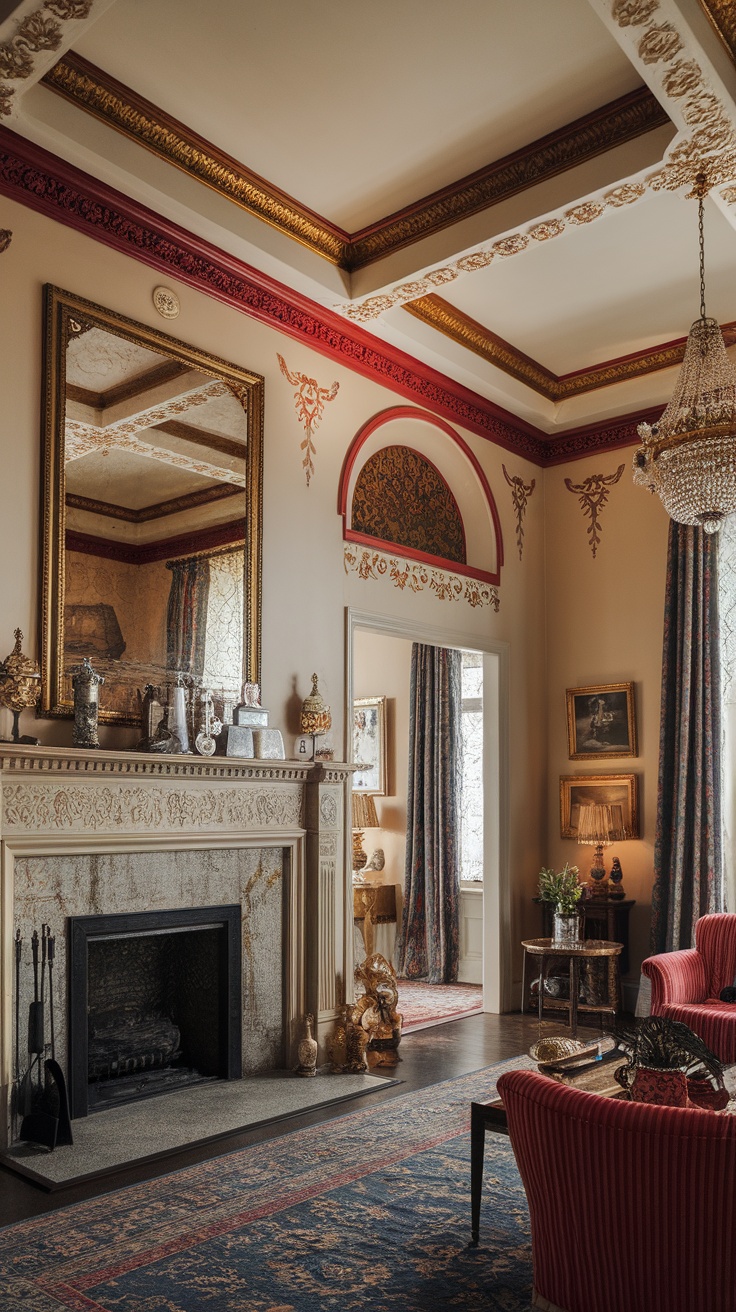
(689, 456)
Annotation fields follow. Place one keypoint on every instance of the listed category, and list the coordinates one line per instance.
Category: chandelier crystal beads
(689, 456)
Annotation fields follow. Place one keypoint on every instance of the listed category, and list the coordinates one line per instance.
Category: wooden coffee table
(598, 1077)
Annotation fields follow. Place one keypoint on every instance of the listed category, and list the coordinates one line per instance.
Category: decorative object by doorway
(315, 717)
(365, 817)
(687, 457)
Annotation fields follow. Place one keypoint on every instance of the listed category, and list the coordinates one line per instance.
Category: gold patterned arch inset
(400, 497)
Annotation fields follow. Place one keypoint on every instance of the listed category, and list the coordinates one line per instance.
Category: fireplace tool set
(40, 1101)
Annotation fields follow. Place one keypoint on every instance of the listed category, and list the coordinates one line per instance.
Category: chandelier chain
(701, 242)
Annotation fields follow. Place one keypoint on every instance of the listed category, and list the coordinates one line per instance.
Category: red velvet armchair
(686, 984)
(633, 1207)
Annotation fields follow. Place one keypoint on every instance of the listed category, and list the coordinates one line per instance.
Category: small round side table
(574, 951)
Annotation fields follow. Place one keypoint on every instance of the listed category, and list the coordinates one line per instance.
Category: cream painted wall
(604, 624)
(305, 586)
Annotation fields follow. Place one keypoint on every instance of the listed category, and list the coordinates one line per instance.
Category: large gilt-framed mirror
(152, 511)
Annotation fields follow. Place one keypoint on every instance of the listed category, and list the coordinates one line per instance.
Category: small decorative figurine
(209, 726)
(86, 684)
(152, 713)
(307, 1050)
(616, 876)
(19, 686)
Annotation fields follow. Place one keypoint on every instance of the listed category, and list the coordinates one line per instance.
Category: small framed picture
(578, 790)
(304, 747)
(369, 745)
(601, 721)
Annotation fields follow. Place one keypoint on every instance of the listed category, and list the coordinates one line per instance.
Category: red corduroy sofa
(686, 984)
(633, 1207)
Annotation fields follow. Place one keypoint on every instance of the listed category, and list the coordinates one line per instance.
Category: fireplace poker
(52, 954)
(18, 947)
(35, 1012)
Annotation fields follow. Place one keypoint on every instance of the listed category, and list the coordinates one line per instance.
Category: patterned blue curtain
(688, 873)
(186, 619)
(427, 947)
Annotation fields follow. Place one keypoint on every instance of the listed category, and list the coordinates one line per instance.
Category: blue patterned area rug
(369, 1212)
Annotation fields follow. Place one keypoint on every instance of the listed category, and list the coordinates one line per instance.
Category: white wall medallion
(166, 302)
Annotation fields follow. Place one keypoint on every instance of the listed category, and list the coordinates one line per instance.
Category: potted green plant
(564, 890)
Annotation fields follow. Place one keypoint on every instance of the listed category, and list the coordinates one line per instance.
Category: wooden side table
(573, 951)
(373, 904)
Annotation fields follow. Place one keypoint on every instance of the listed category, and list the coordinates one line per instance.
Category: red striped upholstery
(686, 984)
(633, 1207)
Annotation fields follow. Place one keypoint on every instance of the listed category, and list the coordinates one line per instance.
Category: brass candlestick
(19, 687)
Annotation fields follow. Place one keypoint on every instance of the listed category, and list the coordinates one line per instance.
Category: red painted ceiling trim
(410, 412)
(607, 435)
(34, 177)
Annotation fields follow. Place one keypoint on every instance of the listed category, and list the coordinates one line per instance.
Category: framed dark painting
(601, 721)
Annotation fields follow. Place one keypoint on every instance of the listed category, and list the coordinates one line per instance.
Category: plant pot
(663, 1088)
(565, 928)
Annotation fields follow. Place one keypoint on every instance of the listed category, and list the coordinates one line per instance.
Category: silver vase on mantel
(178, 707)
(86, 684)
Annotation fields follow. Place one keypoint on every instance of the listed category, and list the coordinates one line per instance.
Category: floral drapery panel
(688, 875)
(428, 946)
(186, 619)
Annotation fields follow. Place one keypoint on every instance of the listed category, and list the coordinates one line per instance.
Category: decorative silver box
(268, 745)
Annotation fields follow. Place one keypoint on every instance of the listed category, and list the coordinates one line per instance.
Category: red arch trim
(351, 456)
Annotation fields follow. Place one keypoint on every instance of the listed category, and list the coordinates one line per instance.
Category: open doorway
(380, 668)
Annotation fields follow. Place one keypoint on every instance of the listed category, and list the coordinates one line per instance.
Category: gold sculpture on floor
(376, 1010)
(347, 1046)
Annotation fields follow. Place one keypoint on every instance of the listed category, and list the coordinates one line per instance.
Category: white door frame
(497, 963)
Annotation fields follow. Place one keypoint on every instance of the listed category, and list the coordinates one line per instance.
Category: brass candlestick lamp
(364, 817)
(598, 827)
(19, 687)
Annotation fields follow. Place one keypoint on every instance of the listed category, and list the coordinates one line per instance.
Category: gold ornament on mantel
(19, 687)
(315, 717)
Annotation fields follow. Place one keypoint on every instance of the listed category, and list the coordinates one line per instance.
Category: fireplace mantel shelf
(71, 760)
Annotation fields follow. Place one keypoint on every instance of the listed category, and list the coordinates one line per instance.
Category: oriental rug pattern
(430, 1004)
(367, 1211)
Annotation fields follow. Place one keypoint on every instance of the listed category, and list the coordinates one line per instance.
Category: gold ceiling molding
(459, 327)
(120, 107)
(722, 15)
(612, 125)
(159, 510)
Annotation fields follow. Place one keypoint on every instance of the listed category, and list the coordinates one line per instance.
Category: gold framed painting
(578, 790)
(369, 745)
(601, 721)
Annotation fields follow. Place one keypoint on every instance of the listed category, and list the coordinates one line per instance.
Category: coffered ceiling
(496, 188)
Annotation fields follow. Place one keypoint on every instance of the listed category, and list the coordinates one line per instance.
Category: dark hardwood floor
(428, 1056)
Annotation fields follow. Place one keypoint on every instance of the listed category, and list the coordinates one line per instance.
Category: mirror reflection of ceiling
(153, 447)
(378, 160)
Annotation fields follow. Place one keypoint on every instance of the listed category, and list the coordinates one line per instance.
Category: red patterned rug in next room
(431, 1004)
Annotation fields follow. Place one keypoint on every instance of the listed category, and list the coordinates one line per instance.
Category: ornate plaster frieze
(656, 39)
(94, 90)
(452, 323)
(414, 576)
(592, 494)
(310, 400)
(37, 33)
(49, 791)
(520, 494)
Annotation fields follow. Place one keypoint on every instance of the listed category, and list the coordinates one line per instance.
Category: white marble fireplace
(97, 833)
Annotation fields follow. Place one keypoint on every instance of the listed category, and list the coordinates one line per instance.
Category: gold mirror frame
(63, 312)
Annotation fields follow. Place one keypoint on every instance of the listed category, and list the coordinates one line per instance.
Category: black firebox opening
(154, 1003)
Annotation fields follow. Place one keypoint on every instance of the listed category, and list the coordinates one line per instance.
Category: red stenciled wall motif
(400, 497)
